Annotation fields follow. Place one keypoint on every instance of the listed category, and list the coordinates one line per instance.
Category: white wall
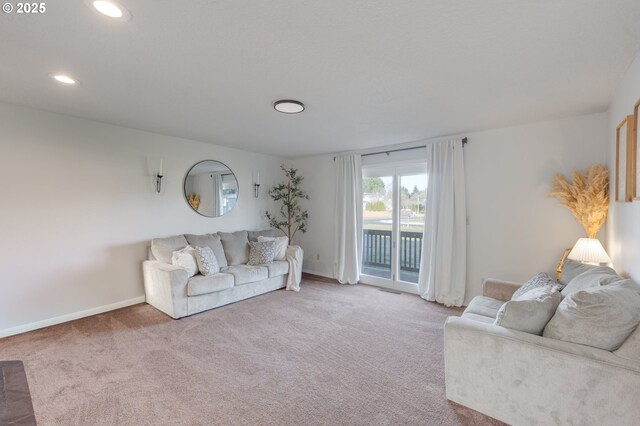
(79, 208)
(515, 230)
(623, 226)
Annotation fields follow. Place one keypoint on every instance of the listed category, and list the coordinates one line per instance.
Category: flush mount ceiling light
(111, 9)
(288, 106)
(64, 79)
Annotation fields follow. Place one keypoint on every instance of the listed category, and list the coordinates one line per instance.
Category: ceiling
(370, 72)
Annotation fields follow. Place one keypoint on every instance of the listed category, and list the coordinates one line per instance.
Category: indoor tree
(291, 218)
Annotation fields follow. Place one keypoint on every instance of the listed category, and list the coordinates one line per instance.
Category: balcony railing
(376, 249)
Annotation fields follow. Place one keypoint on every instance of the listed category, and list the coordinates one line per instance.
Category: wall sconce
(158, 179)
(256, 186)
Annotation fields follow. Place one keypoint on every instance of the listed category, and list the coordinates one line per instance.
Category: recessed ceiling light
(63, 78)
(289, 106)
(111, 9)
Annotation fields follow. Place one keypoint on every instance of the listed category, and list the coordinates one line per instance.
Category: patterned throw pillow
(207, 263)
(281, 246)
(261, 252)
(540, 280)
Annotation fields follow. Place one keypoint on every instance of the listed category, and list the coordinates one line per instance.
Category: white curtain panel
(348, 218)
(218, 195)
(444, 246)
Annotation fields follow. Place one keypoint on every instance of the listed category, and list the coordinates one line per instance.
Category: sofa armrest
(165, 287)
(497, 289)
(509, 375)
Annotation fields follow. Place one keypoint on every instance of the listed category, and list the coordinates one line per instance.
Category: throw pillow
(236, 247)
(254, 235)
(261, 252)
(281, 246)
(595, 276)
(540, 280)
(211, 240)
(602, 317)
(163, 248)
(207, 263)
(530, 312)
(573, 268)
(185, 258)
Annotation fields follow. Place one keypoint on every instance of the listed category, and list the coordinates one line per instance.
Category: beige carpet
(329, 355)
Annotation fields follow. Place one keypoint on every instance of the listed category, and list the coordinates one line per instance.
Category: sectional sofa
(527, 379)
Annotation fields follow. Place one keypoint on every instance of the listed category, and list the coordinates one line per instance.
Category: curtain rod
(464, 142)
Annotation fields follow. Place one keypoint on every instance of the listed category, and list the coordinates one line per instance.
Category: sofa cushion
(602, 317)
(236, 247)
(244, 274)
(210, 240)
(281, 246)
(185, 258)
(253, 235)
(630, 349)
(539, 280)
(207, 263)
(261, 252)
(277, 268)
(201, 284)
(163, 248)
(485, 306)
(593, 277)
(530, 312)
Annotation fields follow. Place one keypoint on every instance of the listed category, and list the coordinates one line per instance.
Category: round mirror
(211, 188)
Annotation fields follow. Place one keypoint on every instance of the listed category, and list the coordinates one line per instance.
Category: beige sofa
(170, 289)
(526, 379)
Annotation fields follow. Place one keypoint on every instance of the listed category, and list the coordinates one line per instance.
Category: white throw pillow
(281, 246)
(207, 262)
(185, 258)
(602, 317)
(531, 311)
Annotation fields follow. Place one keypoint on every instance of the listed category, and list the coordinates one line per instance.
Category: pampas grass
(587, 197)
(194, 201)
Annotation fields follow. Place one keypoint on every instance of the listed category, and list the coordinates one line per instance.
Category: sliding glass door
(393, 225)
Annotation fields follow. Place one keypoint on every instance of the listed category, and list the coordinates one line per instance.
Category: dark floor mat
(15, 400)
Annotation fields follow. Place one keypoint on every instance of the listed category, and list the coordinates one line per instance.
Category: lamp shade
(589, 250)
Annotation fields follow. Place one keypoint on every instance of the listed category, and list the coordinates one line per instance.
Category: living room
(535, 88)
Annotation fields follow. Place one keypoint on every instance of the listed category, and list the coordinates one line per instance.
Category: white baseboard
(69, 317)
(320, 274)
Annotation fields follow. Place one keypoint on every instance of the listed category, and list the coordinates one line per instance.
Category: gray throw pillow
(261, 252)
(163, 248)
(539, 280)
(573, 268)
(236, 247)
(602, 317)
(209, 240)
(530, 312)
(595, 276)
(207, 263)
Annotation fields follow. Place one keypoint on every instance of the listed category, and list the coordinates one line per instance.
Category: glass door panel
(413, 192)
(393, 225)
(377, 226)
